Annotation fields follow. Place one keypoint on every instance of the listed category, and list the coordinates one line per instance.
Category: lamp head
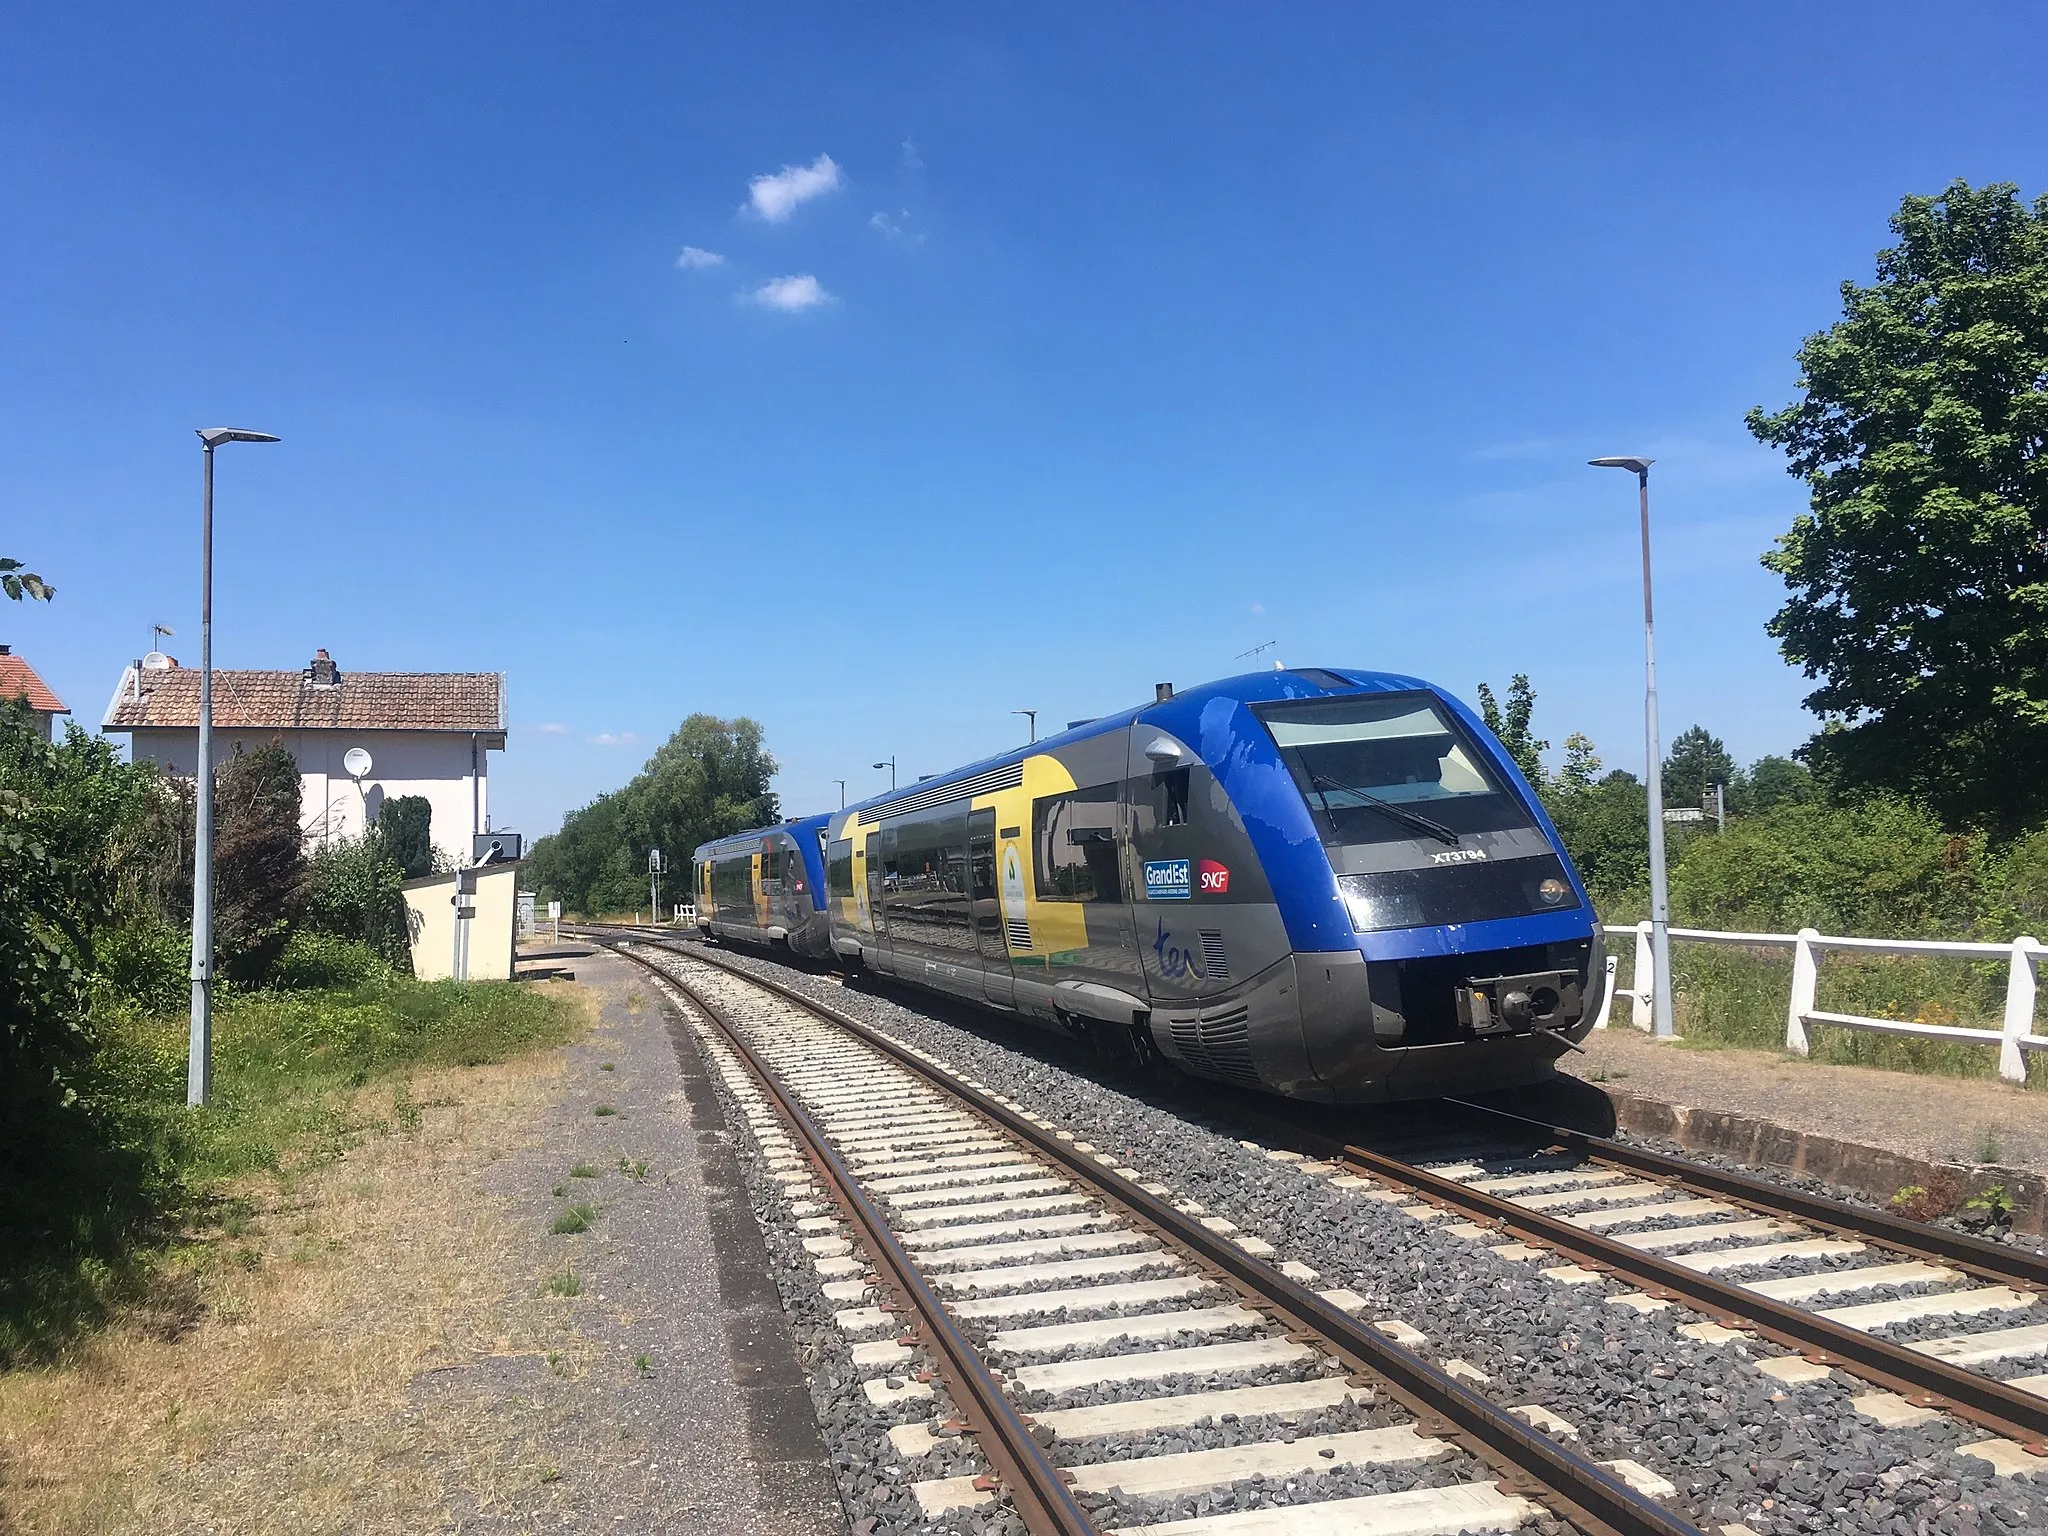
(878, 765)
(1629, 462)
(213, 437)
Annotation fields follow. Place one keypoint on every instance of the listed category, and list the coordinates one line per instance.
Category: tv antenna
(1255, 650)
(158, 632)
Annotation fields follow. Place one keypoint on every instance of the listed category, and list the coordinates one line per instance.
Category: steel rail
(1038, 1492)
(1581, 1490)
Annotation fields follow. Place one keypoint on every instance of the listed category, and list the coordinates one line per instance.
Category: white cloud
(1261, 608)
(791, 294)
(614, 738)
(776, 197)
(694, 258)
(912, 160)
(552, 728)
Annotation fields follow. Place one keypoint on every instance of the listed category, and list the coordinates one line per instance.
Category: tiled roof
(18, 678)
(361, 701)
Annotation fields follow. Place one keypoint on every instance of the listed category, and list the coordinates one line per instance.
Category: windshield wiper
(1412, 819)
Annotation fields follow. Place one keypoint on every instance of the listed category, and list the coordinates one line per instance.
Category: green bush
(144, 965)
(313, 960)
(355, 891)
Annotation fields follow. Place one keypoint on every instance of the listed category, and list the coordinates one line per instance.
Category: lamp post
(199, 1063)
(842, 792)
(891, 766)
(1032, 716)
(1660, 896)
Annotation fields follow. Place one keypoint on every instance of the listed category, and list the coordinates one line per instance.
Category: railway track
(1590, 1209)
(1074, 1313)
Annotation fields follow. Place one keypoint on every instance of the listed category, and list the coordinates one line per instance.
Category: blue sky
(1046, 355)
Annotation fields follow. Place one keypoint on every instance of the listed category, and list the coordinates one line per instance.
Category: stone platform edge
(1849, 1165)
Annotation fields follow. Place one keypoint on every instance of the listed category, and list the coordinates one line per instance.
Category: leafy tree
(709, 779)
(406, 828)
(1770, 782)
(1511, 725)
(1605, 828)
(1697, 759)
(1581, 766)
(17, 583)
(259, 861)
(1919, 578)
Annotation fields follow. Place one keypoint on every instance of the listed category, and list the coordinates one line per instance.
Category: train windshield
(1383, 768)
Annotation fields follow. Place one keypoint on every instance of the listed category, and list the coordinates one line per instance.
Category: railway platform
(679, 1405)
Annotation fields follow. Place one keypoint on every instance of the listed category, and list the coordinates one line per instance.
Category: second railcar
(766, 887)
(1328, 884)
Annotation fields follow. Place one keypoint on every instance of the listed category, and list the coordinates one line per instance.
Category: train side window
(839, 868)
(1076, 838)
(1170, 798)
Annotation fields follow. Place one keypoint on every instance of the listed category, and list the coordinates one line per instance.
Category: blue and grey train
(1325, 883)
(766, 887)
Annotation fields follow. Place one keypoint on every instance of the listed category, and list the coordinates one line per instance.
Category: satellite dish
(157, 661)
(357, 762)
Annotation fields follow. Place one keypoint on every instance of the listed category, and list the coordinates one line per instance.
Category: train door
(987, 911)
(876, 875)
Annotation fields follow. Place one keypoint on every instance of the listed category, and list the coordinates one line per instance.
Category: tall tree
(405, 826)
(1919, 578)
(708, 780)
(1697, 759)
(259, 871)
(1511, 725)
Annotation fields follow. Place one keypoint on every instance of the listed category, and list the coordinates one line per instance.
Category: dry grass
(293, 1401)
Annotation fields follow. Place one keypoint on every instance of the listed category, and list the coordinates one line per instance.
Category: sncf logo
(1459, 856)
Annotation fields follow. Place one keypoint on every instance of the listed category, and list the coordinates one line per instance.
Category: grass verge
(121, 1199)
(239, 1346)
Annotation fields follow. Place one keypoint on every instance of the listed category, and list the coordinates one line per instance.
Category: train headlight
(1553, 892)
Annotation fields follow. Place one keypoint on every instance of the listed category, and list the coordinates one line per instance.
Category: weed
(603, 1110)
(555, 1364)
(605, 1067)
(644, 1364)
(550, 1474)
(235, 1216)
(1922, 1203)
(404, 1111)
(567, 1283)
(1990, 1206)
(248, 1258)
(633, 1167)
(575, 1219)
(561, 1190)
(586, 1171)
(1989, 1148)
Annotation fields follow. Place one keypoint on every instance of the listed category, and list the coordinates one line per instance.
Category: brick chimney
(323, 673)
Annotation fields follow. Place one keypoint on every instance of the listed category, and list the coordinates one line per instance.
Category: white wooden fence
(2014, 1038)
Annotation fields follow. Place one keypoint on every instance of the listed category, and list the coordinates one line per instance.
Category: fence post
(1607, 997)
(1805, 988)
(2019, 1011)
(1644, 978)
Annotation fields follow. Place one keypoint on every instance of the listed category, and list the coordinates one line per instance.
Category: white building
(426, 733)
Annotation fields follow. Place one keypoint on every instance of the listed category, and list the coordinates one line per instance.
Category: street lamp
(842, 792)
(1032, 716)
(199, 1063)
(1660, 896)
(891, 766)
